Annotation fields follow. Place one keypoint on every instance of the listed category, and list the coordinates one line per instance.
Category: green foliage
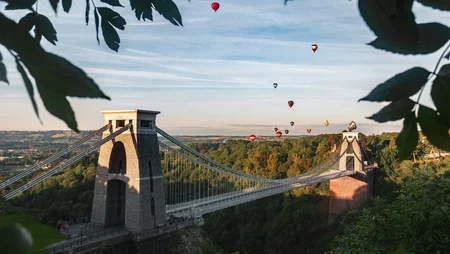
(64, 196)
(393, 22)
(408, 138)
(394, 111)
(42, 235)
(434, 127)
(401, 86)
(3, 77)
(440, 90)
(416, 221)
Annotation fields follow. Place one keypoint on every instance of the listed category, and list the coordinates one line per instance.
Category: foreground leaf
(54, 4)
(400, 86)
(408, 138)
(20, 4)
(444, 70)
(433, 36)
(115, 3)
(142, 9)
(15, 239)
(86, 13)
(434, 128)
(28, 86)
(3, 76)
(110, 35)
(58, 106)
(442, 5)
(28, 21)
(97, 22)
(55, 77)
(46, 28)
(169, 10)
(394, 111)
(112, 17)
(67, 4)
(440, 92)
(391, 19)
(53, 94)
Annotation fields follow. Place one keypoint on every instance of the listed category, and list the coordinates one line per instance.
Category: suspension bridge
(145, 177)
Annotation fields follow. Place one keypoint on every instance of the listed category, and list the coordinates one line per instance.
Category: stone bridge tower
(350, 192)
(129, 187)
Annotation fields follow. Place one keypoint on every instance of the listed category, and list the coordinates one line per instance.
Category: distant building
(436, 154)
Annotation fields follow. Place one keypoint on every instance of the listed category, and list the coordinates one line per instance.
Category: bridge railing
(79, 241)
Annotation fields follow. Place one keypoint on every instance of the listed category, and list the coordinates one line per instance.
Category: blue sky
(215, 74)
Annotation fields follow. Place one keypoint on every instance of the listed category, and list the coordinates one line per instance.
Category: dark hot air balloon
(314, 47)
(308, 130)
(215, 6)
(286, 131)
(290, 103)
(279, 134)
(275, 129)
(292, 123)
(275, 85)
(252, 137)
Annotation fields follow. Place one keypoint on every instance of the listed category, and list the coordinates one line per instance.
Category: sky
(215, 74)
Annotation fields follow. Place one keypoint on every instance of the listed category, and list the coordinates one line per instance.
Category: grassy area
(43, 235)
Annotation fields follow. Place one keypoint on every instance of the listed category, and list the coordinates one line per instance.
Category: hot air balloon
(264, 138)
(252, 137)
(275, 85)
(215, 6)
(326, 123)
(286, 131)
(291, 103)
(314, 47)
(351, 126)
(308, 130)
(292, 123)
(275, 129)
(279, 134)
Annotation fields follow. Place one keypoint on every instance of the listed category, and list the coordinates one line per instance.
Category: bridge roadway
(94, 238)
(215, 203)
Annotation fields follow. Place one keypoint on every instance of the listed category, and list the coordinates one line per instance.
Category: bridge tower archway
(115, 202)
(352, 160)
(128, 185)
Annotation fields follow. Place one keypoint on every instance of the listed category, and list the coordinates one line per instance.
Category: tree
(392, 21)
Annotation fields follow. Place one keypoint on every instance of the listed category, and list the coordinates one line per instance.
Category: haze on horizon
(215, 74)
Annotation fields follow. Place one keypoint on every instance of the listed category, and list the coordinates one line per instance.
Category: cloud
(217, 70)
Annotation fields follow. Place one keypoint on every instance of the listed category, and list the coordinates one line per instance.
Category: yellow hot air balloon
(308, 130)
(326, 123)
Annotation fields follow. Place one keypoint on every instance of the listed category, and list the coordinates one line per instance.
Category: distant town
(21, 149)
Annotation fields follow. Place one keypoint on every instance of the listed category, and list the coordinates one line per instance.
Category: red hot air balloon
(279, 134)
(314, 47)
(252, 137)
(215, 6)
(290, 103)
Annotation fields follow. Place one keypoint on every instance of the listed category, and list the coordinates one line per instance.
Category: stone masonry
(142, 169)
(350, 192)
